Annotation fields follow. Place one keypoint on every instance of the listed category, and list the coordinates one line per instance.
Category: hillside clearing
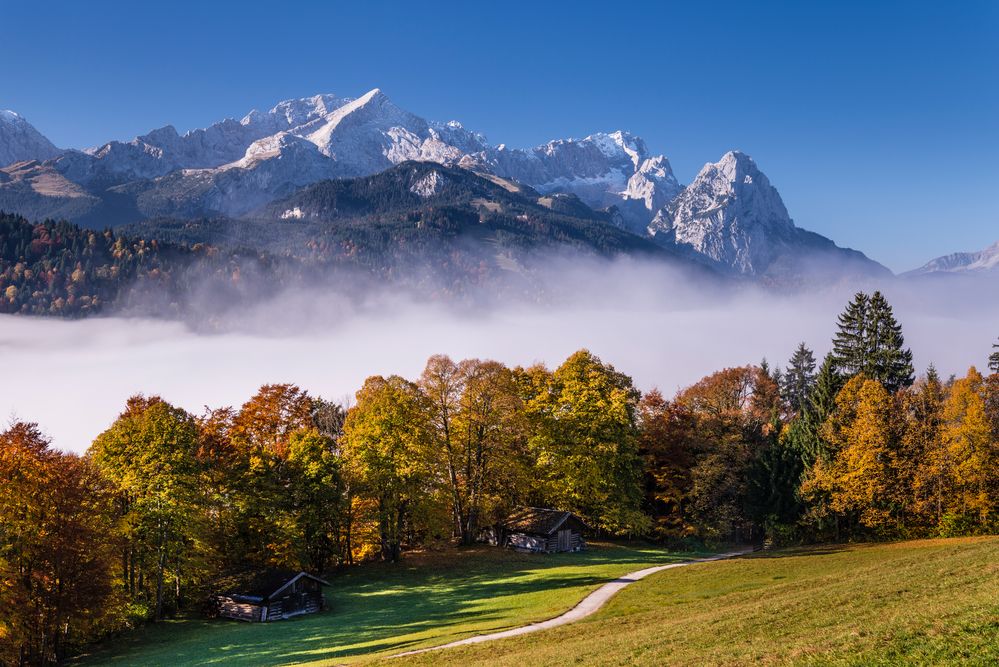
(919, 602)
(381, 609)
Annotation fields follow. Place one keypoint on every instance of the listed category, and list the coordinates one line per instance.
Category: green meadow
(380, 609)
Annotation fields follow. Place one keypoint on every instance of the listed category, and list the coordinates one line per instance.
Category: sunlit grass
(923, 602)
(381, 609)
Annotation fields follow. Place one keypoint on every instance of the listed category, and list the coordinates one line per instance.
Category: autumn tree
(858, 484)
(665, 432)
(926, 462)
(733, 412)
(386, 447)
(267, 420)
(972, 451)
(57, 550)
(479, 432)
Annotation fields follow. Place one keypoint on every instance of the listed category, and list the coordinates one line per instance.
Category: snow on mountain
(601, 169)
(20, 141)
(358, 137)
(731, 214)
(963, 262)
(164, 150)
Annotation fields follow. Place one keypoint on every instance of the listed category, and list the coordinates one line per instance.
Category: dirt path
(587, 606)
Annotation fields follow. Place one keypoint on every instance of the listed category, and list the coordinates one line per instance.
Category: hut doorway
(565, 540)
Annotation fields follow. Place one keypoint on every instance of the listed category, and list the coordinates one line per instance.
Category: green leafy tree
(315, 509)
(386, 447)
(584, 439)
(150, 458)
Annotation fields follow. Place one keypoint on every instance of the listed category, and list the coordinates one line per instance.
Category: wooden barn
(540, 530)
(268, 595)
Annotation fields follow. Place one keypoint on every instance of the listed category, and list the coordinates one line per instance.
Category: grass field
(924, 602)
(381, 609)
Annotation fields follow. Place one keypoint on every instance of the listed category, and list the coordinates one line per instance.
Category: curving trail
(587, 606)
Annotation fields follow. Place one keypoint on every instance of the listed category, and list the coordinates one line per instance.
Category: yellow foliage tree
(972, 451)
(859, 482)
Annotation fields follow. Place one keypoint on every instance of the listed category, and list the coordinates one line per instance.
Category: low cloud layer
(73, 377)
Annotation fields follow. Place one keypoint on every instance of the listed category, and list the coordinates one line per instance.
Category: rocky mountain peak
(19, 140)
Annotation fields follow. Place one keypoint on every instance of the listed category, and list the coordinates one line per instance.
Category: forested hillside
(166, 501)
(439, 233)
(56, 268)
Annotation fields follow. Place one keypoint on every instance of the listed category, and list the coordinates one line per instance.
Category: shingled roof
(537, 520)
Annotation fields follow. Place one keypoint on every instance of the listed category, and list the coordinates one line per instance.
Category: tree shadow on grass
(389, 606)
(797, 552)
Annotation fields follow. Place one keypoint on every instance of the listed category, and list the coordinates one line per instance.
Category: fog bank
(73, 377)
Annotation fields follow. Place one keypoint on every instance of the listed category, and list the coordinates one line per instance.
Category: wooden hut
(268, 595)
(541, 530)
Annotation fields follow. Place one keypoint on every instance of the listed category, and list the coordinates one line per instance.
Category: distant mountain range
(266, 167)
(963, 263)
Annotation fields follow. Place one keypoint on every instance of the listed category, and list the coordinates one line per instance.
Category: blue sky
(877, 121)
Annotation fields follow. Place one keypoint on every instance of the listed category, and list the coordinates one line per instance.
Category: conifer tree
(799, 379)
(870, 341)
(821, 403)
(888, 360)
(994, 358)
(850, 342)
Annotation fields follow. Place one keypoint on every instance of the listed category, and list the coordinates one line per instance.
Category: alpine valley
(321, 187)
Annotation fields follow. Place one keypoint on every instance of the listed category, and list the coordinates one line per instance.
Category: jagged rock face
(984, 261)
(731, 214)
(601, 169)
(20, 141)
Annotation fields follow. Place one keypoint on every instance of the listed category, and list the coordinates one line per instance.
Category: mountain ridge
(729, 215)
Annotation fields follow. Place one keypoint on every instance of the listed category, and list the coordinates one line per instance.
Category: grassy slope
(382, 609)
(921, 602)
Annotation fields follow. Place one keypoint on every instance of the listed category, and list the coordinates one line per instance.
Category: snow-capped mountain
(262, 154)
(20, 141)
(164, 150)
(729, 216)
(983, 261)
(733, 215)
(602, 169)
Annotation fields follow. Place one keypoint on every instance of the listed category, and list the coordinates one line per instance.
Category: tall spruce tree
(870, 341)
(799, 379)
(850, 342)
(889, 361)
(994, 358)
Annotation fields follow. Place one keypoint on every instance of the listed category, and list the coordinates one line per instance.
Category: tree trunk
(160, 569)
